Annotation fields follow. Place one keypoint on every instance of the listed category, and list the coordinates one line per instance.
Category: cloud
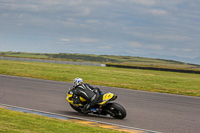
(69, 22)
(65, 40)
(158, 12)
(85, 11)
(104, 47)
(140, 2)
(187, 50)
(162, 35)
(145, 46)
(145, 2)
(155, 47)
(135, 44)
(74, 2)
(143, 25)
(182, 49)
(93, 21)
(88, 40)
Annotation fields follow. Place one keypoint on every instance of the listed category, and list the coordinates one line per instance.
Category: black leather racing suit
(90, 94)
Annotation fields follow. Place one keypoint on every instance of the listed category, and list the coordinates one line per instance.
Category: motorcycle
(105, 107)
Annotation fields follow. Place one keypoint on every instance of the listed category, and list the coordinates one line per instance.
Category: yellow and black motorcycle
(105, 107)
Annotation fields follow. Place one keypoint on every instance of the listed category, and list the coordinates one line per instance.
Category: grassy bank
(109, 59)
(18, 122)
(148, 80)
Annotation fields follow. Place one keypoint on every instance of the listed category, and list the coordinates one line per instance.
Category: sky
(102, 27)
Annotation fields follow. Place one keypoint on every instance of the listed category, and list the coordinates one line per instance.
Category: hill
(110, 60)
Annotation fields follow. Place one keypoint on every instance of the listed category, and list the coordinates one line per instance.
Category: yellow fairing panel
(106, 97)
(70, 100)
(82, 99)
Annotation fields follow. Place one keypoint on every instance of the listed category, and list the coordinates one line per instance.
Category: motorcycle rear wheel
(116, 110)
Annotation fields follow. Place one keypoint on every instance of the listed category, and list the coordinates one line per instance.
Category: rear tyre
(116, 110)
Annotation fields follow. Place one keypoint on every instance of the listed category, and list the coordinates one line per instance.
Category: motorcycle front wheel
(116, 110)
(76, 108)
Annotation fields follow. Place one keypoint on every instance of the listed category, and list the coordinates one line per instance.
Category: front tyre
(76, 108)
(116, 110)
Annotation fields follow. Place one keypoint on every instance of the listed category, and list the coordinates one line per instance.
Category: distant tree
(3, 53)
(83, 57)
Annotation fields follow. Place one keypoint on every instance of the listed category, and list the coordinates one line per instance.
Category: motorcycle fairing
(106, 98)
(69, 98)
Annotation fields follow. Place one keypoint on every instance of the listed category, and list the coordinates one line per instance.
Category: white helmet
(77, 81)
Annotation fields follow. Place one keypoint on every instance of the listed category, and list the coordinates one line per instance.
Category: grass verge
(18, 122)
(148, 80)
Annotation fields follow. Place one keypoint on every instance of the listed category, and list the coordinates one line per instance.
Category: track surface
(153, 111)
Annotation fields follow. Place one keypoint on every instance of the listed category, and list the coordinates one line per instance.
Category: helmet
(77, 81)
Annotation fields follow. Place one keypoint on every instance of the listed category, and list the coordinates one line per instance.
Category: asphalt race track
(152, 111)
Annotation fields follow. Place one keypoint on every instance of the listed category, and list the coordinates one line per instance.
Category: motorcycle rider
(90, 94)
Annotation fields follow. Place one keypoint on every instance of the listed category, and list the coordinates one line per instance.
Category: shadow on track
(85, 116)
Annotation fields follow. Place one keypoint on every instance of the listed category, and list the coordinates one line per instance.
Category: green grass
(18, 122)
(147, 80)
